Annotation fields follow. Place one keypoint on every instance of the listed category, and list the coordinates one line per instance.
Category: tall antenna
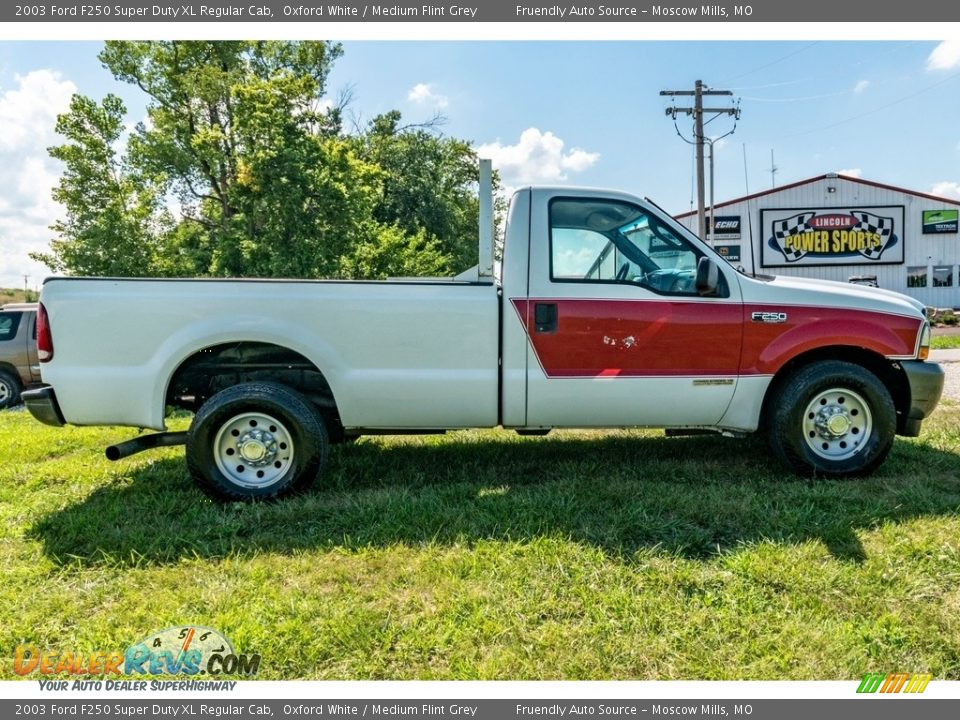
(746, 181)
(746, 185)
(773, 171)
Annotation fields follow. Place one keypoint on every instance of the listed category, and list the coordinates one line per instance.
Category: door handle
(545, 317)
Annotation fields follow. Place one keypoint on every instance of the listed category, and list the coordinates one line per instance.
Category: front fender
(768, 346)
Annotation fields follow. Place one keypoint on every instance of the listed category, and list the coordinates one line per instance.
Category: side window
(610, 241)
(9, 322)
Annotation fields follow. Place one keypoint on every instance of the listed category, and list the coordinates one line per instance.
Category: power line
(876, 109)
(873, 60)
(797, 99)
(774, 62)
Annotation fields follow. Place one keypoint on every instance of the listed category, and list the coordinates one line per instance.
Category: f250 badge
(769, 317)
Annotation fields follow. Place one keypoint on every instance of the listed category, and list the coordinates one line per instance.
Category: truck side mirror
(708, 276)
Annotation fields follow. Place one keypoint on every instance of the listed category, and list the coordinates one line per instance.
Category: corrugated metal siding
(919, 249)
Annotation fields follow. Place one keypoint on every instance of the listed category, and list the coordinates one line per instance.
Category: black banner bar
(616, 11)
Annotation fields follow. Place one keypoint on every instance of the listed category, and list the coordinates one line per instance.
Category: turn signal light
(924, 352)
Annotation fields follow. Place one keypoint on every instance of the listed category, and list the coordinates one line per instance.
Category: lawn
(945, 342)
(486, 555)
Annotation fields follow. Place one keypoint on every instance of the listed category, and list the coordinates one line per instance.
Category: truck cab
(619, 311)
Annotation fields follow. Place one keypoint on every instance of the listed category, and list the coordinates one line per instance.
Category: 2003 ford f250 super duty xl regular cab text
(609, 314)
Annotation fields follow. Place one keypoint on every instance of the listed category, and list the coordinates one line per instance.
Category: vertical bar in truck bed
(485, 268)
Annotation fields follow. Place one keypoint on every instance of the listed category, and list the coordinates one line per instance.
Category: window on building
(917, 277)
(943, 275)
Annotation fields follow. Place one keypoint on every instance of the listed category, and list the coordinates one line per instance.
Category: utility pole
(26, 293)
(697, 112)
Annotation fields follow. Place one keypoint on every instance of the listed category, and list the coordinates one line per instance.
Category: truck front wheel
(256, 440)
(832, 418)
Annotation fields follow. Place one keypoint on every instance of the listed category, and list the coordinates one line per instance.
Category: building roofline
(825, 176)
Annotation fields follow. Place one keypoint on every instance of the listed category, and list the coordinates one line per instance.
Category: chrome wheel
(256, 441)
(837, 423)
(253, 450)
(4, 393)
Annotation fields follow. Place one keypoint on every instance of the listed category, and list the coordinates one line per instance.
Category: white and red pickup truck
(609, 314)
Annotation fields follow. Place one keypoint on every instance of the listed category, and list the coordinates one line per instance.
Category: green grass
(945, 342)
(486, 555)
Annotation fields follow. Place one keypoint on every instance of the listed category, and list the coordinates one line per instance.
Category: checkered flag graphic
(782, 229)
(882, 226)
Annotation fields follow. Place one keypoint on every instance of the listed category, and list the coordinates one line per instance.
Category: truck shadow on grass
(690, 496)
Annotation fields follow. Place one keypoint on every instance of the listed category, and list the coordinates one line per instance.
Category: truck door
(620, 335)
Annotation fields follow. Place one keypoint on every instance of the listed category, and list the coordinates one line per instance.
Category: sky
(578, 113)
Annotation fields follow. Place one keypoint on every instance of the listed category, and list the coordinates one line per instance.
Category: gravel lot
(951, 388)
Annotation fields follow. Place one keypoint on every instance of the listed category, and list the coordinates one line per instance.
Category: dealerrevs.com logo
(185, 651)
(894, 683)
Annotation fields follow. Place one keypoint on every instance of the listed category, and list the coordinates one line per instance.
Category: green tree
(262, 180)
(113, 223)
(390, 252)
(237, 130)
(429, 185)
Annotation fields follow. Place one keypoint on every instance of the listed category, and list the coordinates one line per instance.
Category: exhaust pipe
(145, 442)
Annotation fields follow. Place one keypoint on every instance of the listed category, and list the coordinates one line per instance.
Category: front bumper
(42, 404)
(926, 384)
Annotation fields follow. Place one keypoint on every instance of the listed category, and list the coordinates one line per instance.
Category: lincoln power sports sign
(832, 236)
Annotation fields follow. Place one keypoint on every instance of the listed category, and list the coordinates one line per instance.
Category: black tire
(256, 440)
(806, 436)
(9, 390)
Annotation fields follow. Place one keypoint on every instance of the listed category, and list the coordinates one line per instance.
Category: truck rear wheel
(832, 418)
(256, 440)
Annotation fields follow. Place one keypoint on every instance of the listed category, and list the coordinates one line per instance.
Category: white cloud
(860, 87)
(946, 189)
(423, 94)
(851, 172)
(945, 56)
(538, 157)
(28, 114)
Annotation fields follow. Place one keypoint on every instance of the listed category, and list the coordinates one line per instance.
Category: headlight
(924, 351)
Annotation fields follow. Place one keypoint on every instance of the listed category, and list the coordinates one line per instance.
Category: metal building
(836, 227)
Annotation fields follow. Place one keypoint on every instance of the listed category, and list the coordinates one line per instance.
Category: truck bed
(396, 354)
